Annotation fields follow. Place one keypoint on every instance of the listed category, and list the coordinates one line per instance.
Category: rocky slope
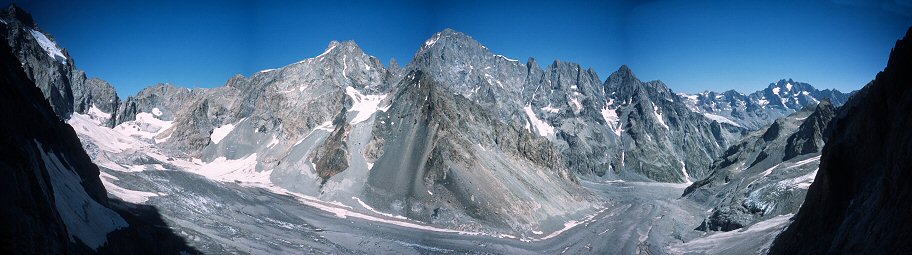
(322, 127)
(765, 175)
(53, 70)
(860, 200)
(761, 108)
(53, 200)
(589, 121)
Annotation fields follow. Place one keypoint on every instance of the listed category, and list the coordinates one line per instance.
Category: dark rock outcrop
(53, 201)
(861, 200)
(752, 181)
(812, 134)
(52, 69)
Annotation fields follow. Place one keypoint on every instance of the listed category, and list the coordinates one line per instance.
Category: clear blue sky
(690, 45)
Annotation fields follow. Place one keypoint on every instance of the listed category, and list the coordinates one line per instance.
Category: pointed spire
(393, 64)
(622, 75)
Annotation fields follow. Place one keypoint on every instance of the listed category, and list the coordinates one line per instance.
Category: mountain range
(461, 138)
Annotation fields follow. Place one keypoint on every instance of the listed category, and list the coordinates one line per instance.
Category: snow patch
(221, 132)
(432, 41)
(805, 162)
(689, 96)
(84, 218)
(720, 119)
(94, 111)
(132, 196)
(230, 170)
(321, 55)
(49, 46)
(684, 171)
(550, 109)
(612, 119)
(506, 58)
(725, 242)
(145, 126)
(157, 112)
(105, 138)
(800, 182)
(541, 127)
(776, 90)
(364, 106)
(576, 103)
(770, 170)
(490, 78)
(658, 116)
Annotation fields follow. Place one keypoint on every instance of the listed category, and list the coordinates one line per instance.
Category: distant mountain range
(761, 108)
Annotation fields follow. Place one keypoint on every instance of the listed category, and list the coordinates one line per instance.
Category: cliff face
(861, 200)
(50, 67)
(51, 198)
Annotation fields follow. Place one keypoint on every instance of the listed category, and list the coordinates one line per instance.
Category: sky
(692, 46)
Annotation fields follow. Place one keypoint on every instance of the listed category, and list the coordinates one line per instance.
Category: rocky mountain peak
(14, 12)
(345, 47)
(453, 43)
(812, 134)
(624, 84)
(393, 64)
(624, 75)
(788, 87)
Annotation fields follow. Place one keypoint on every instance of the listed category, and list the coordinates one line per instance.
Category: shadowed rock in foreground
(53, 201)
(861, 201)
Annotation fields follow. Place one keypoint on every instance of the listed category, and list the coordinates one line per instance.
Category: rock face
(861, 200)
(53, 200)
(812, 134)
(589, 121)
(53, 70)
(765, 175)
(662, 139)
(761, 108)
(459, 119)
(444, 156)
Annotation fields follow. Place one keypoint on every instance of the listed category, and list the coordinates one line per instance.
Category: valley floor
(215, 213)
(220, 217)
